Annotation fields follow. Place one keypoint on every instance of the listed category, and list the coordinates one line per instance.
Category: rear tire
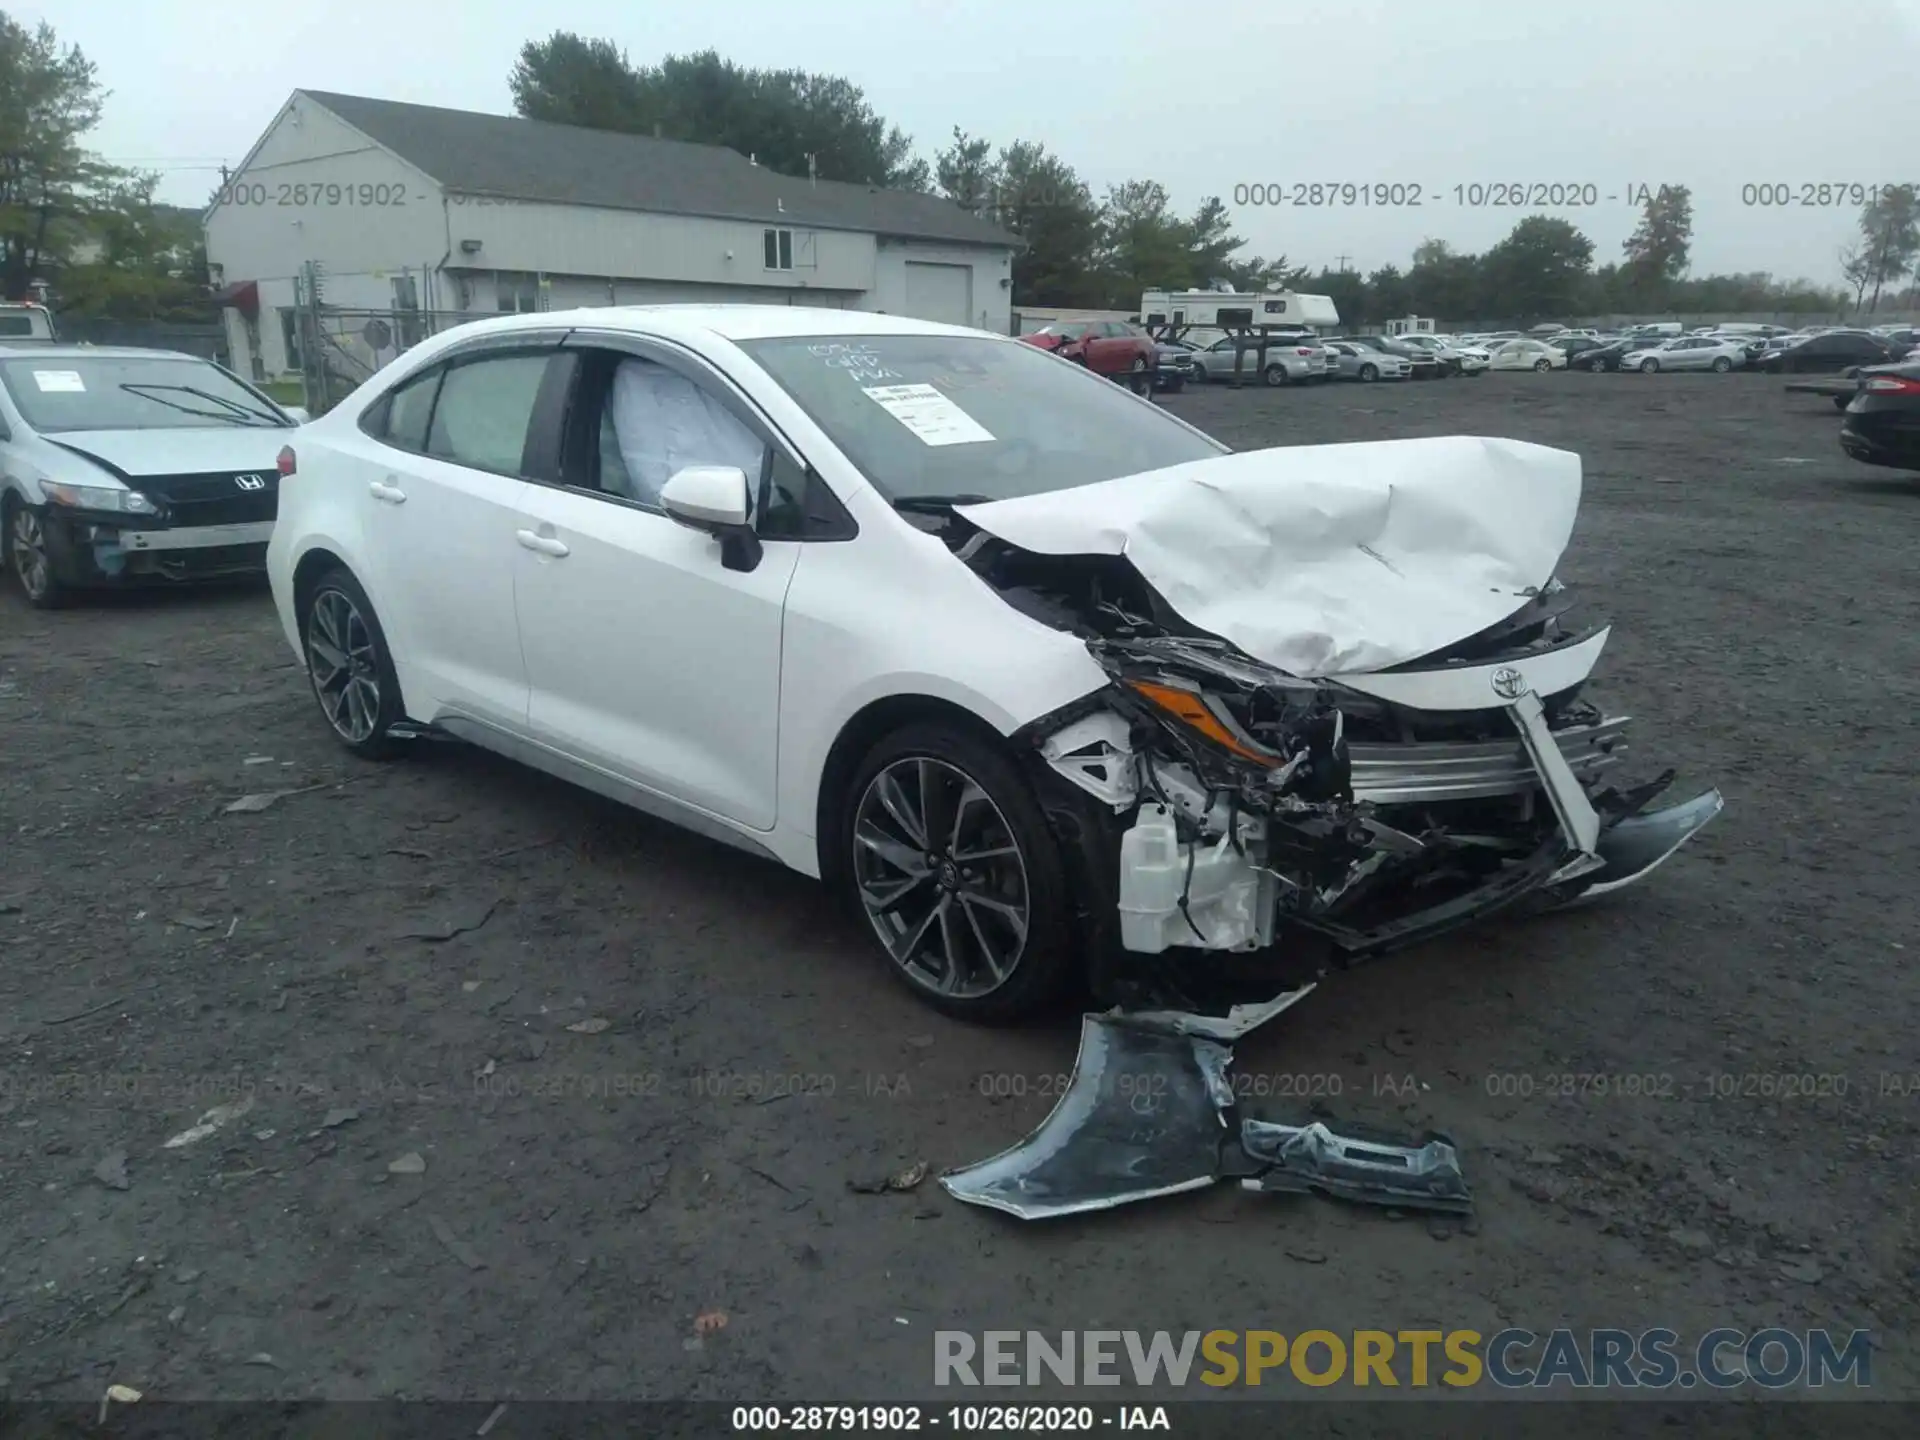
(940, 898)
(1275, 375)
(1542, 366)
(349, 667)
(1723, 364)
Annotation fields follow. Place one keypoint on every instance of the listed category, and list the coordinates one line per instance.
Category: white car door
(440, 474)
(652, 650)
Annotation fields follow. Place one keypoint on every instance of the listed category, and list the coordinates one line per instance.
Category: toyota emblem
(251, 482)
(1508, 683)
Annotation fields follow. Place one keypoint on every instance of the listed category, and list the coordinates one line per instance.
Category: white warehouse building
(460, 215)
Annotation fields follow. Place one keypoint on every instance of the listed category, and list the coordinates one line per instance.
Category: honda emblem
(251, 482)
(1508, 683)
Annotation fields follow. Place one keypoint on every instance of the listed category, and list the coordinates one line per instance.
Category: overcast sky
(1713, 94)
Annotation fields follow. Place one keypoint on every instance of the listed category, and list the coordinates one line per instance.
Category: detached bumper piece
(1362, 1166)
(1150, 1111)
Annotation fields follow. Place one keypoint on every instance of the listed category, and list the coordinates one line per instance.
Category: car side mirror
(718, 501)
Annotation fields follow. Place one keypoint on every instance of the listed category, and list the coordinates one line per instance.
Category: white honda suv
(1041, 678)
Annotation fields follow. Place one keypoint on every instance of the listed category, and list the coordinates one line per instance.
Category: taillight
(1303, 351)
(1893, 385)
(285, 460)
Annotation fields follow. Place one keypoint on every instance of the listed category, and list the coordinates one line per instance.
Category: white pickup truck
(21, 323)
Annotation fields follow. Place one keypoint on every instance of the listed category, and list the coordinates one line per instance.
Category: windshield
(943, 415)
(137, 392)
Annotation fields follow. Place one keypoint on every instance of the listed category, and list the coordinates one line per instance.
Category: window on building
(779, 247)
(518, 294)
(290, 338)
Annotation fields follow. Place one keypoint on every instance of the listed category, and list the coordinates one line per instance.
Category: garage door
(940, 292)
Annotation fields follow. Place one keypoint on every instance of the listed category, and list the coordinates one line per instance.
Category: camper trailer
(1225, 310)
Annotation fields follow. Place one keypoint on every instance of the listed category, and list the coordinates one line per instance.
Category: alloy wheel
(29, 547)
(344, 665)
(941, 877)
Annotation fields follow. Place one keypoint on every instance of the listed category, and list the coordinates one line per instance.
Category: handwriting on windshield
(861, 363)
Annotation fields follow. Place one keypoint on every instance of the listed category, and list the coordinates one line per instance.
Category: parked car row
(1797, 353)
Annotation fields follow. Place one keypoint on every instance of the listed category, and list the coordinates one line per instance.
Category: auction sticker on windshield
(928, 414)
(60, 382)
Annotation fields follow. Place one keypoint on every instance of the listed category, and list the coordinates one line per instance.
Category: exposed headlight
(99, 497)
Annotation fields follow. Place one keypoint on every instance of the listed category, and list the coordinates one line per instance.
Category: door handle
(542, 544)
(392, 494)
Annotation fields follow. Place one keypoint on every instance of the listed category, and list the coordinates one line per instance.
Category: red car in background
(1106, 347)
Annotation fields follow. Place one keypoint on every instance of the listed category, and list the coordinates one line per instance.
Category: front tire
(1649, 367)
(27, 556)
(349, 667)
(950, 860)
(1369, 372)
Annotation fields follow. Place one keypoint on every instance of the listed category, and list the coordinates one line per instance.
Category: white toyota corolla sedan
(1042, 679)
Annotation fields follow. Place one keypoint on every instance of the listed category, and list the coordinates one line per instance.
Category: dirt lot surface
(525, 1084)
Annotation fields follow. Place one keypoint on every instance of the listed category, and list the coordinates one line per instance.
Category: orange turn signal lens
(1192, 711)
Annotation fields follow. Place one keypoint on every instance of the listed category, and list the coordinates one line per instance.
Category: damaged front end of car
(1241, 807)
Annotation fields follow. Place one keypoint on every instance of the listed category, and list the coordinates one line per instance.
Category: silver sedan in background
(1357, 362)
(1689, 352)
(1288, 361)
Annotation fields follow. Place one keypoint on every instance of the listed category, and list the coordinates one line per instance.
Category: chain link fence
(340, 348)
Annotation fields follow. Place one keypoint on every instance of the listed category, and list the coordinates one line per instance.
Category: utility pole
(1341, 261)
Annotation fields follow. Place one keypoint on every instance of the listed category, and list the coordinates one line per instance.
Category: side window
(656, 422)
(401, 418)
(482, 414)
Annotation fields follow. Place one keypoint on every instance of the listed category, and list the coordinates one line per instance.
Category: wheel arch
(308, 570)
(315, 561)
(861, 732)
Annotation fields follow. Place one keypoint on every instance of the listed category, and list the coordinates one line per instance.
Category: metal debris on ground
(1150, 1111)
(410, 1163)
(209, 1122)
(899, 1181)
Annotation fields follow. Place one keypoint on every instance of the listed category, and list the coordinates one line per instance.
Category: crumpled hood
(195, 451)
(1325, 559)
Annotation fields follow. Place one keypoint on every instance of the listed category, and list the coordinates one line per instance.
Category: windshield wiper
(237, 413)
(934, 504)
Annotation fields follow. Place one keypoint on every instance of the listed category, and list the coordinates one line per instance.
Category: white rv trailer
(1225, 310)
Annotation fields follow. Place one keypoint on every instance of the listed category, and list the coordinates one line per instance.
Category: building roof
(506, 157)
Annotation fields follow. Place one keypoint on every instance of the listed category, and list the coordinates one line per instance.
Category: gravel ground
(524, 1084)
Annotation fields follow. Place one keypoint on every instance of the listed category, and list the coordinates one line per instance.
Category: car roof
(59, 351)
(727, 322)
